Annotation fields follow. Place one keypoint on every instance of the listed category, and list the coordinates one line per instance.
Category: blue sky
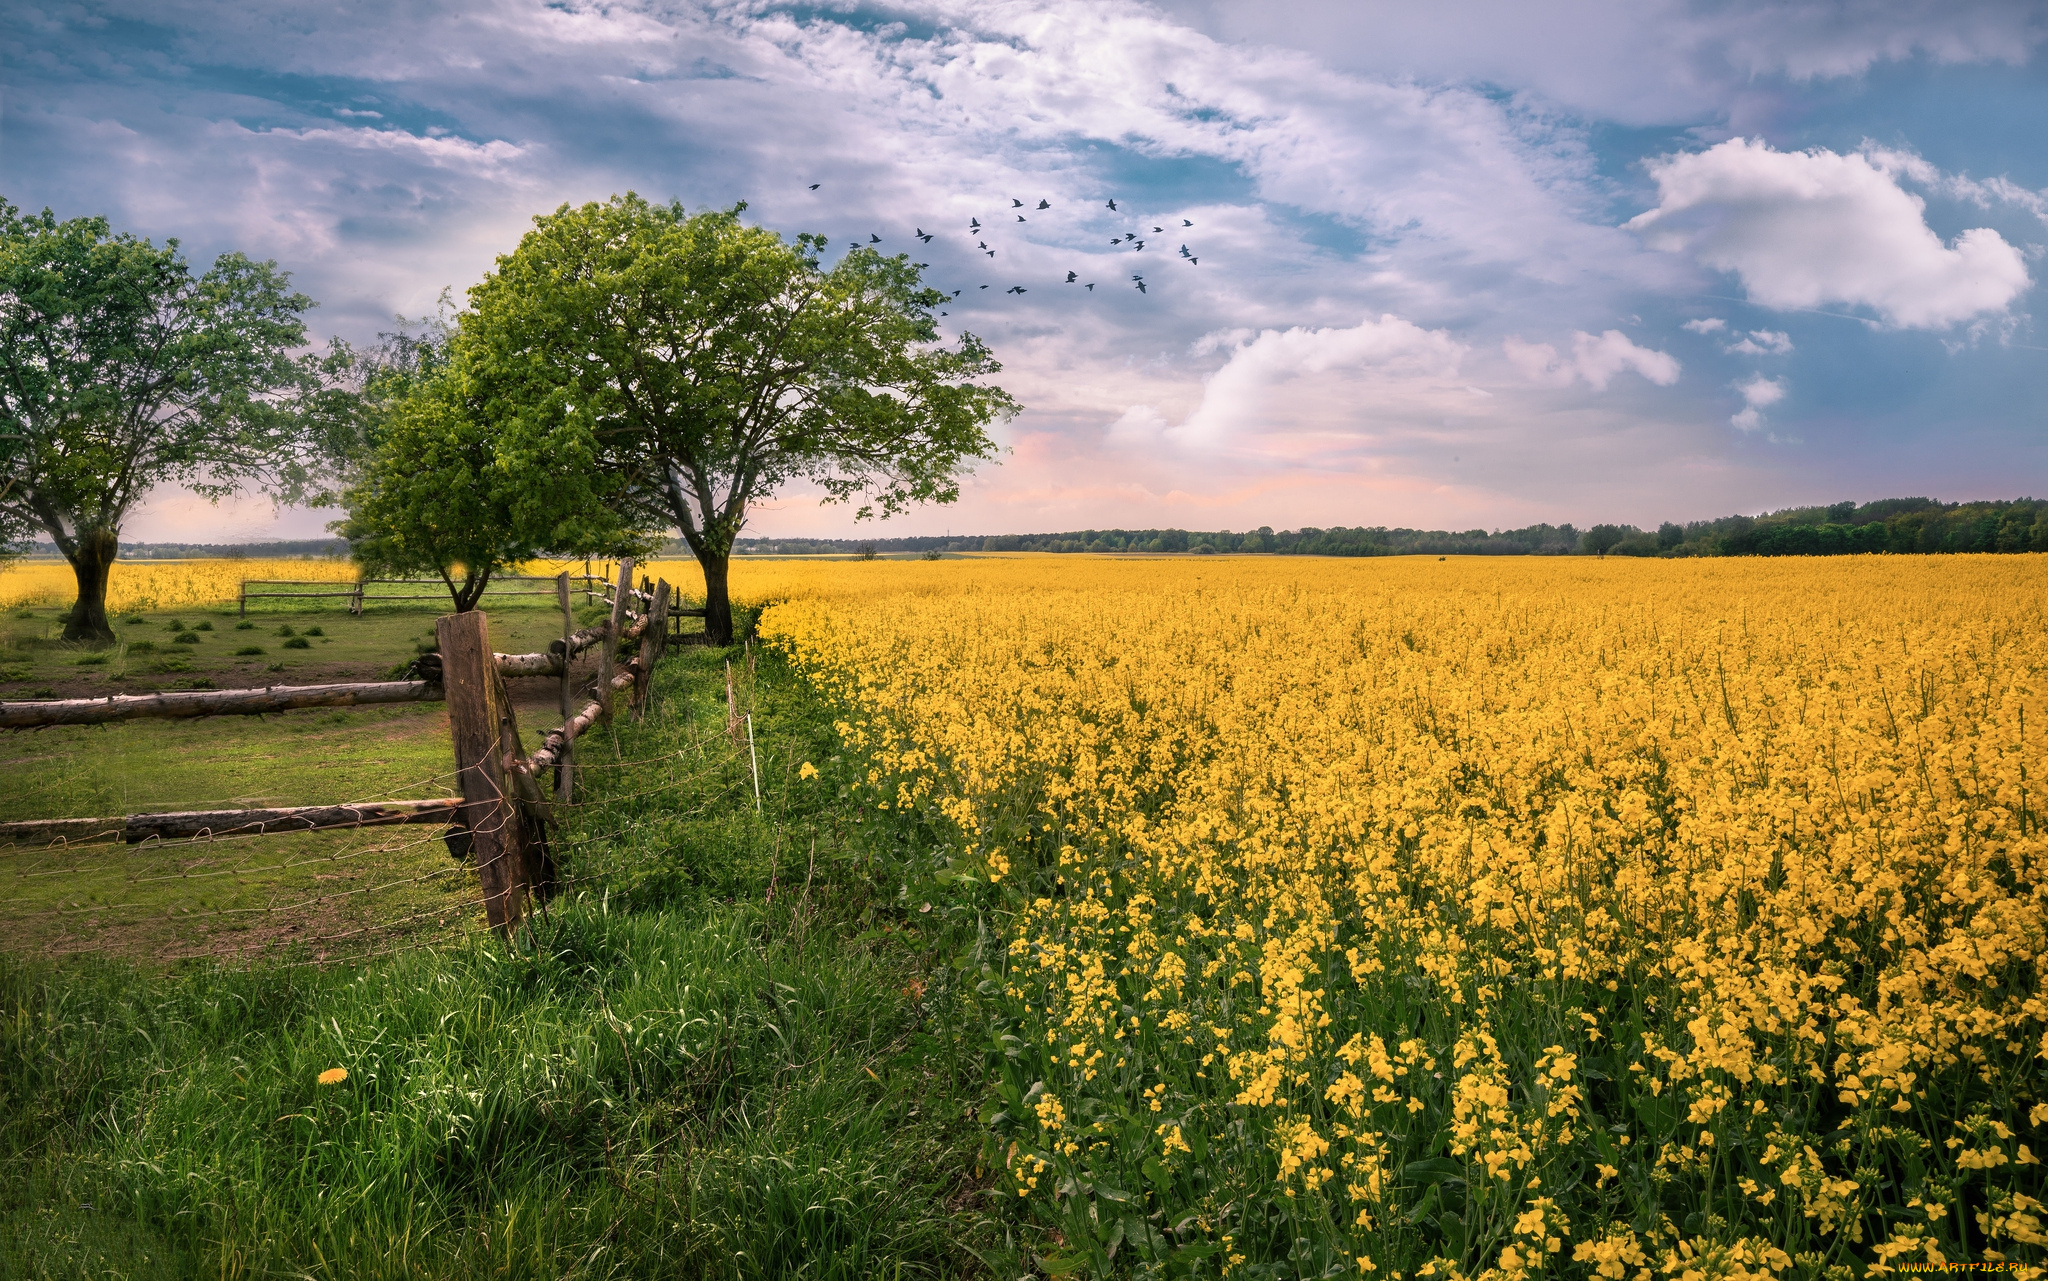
(1461, 265)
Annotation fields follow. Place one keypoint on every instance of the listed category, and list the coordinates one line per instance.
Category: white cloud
(1758, 394)
(1709, 325)
(1639, 61)
(1761, 342)
(1811, 228)
(1595, 360)
(1984, 194)
(1261, 386)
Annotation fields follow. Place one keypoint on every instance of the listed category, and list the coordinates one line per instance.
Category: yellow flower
(334, 1076)
(807, 770)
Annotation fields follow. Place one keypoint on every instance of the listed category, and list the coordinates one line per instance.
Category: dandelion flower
(334, 1076)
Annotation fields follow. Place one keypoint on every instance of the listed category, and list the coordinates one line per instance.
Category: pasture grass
(731, 1049)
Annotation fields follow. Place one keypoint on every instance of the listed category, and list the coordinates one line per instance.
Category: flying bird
(1014, 289)
(816, 185)
(1183, 251)
(1091, 286)
(984, 286)
(1116, 240)
(1020, 217)
(1130, 235)
(1071, 277)
(1141, 246)
(1045, 204)
(1185, 223)
(991, 253)
(945, 313)
(1016, 204)
(956, 293)
(1137, 277)
(874, 239)
(1142, 289)
(924, 235)
(1195, 262)
(1159, 229)
(974, 224)
(1112, 206)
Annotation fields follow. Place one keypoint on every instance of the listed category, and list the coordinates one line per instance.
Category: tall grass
(721, 1061)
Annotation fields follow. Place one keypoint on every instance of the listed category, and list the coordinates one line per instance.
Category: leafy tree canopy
(715, 363)
(120, 371)
(452, 491)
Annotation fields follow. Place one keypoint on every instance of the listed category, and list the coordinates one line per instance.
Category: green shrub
(298, 642)
(247, 650)
(174, 625)
(315, 631)
(245, 626)
(136, 621)
(285, 630)
(185, 638)
(142, 647)
(93, 660)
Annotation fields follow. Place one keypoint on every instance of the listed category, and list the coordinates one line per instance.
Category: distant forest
(331, 548)
(1888, 525)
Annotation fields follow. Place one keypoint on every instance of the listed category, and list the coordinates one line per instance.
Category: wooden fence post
(243, 611)
(651, 638)
(609, 655)
(565, 770)
(506, 853)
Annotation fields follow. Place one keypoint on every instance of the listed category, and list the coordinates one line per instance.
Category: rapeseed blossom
(1486, 918)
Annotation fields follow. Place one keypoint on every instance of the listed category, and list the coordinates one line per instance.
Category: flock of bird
(979, 233)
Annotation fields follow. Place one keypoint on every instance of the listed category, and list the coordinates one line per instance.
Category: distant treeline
(1888, 525)
(331, 548)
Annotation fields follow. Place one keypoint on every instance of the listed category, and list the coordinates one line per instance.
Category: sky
(1466, 265)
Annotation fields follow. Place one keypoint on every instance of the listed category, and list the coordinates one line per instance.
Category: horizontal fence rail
(134, 829)
(180, 704)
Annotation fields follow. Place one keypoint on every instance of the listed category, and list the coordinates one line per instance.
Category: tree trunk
(717, 603)
(92, 561)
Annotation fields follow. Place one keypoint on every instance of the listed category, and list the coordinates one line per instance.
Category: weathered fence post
(243, 610)
(651, 638)
(565, 769)
(608, 657)
(507, 855)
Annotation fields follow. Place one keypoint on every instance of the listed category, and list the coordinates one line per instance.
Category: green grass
(736, 1050)
(248, 895)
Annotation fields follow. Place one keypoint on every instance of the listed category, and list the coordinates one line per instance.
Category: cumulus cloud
(1758, 394)
(1595, 360)
(1812, 228)
(1985, 194)
(1761, 342)
(1264, 383)
(1706, 325)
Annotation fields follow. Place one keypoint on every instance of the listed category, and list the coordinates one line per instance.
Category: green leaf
(1434, 1169)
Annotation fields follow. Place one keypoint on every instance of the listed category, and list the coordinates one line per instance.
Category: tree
(121, 371)
(1599, 539)
(716, 363)
(449, 490)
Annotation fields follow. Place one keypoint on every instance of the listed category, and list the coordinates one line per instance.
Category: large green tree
(449, 489)
(120, 370)
(715, 363)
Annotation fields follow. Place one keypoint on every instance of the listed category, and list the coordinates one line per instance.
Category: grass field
(317, 894)
(1232, 917)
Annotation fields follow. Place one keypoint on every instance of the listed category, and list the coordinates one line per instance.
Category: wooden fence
(358, 599)
(501, 818)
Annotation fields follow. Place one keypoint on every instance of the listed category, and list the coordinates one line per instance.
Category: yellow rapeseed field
(1483, 918)
(146, 585)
